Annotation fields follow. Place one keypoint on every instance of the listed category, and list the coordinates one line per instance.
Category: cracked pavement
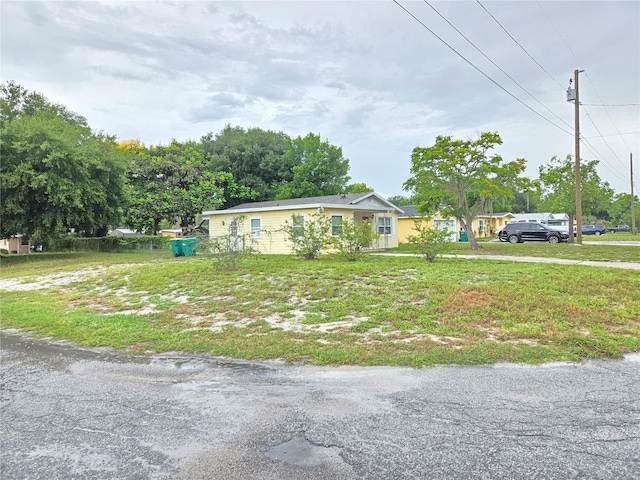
(72, 413)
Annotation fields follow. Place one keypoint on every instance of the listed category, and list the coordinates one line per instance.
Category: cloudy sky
(364, 75)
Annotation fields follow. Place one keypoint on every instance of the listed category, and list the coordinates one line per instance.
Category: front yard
(378, 311)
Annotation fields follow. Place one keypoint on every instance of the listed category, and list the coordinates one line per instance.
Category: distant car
(593, 229)
(620, 228)
(519, 232)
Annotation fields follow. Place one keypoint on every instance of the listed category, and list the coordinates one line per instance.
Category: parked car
(593, 229)
(519, 232)
(620, 228)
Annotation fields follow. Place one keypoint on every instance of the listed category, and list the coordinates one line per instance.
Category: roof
(495, 215)
(360, 201)
(409, 211)
(541, 216)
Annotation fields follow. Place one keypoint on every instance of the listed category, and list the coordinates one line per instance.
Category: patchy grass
(379, 311)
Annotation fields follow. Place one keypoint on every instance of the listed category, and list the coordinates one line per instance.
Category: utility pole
(633, 205)
(574, 95)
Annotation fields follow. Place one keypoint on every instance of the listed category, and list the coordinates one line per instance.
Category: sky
(376, 78)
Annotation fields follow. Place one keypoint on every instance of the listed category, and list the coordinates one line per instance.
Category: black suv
(519, 232)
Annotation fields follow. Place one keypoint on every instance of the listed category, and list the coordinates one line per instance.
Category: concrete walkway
(561, 261)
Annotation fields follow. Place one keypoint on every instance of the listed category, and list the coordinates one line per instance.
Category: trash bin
(464, 237)
(189, 246)
(176, 247)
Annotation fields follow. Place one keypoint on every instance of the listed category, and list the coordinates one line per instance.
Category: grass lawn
(611, 252)
(378, 311)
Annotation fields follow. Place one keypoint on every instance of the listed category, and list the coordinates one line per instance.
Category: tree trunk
(468, 228)
(472, 239)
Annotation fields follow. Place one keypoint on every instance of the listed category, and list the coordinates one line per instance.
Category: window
(336, 224)
(256, 227)
(25, 240)
(384, 225)
(297, 222)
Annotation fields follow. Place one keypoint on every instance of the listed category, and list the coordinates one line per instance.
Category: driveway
(78, 413)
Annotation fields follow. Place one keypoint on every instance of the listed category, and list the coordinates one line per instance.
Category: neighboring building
(125, 232)
(490, 224)
(172, 232)
(16, 244)
(407, 222)
(264, 221)
(558, 220)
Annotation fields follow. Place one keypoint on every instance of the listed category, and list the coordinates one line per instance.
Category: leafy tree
(172, 183)
(319, 168)
(458, 178)
(255, 158)
(620, 210)
(557, 188)
(358, 188)
(520, 200)
(55, 173)
(400, 200)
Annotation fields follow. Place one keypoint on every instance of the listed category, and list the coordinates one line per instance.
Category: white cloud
(365, 75)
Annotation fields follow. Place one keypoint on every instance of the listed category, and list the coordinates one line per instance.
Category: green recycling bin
(464, 237)
(189, 246)
(176, 247)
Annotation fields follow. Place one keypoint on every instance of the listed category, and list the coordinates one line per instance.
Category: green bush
(430, 242)
(109, 243)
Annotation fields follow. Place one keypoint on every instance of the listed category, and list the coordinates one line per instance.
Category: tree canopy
(254, 157)
(557, 188)
(56, 174)
(172, 183)
(460, 179)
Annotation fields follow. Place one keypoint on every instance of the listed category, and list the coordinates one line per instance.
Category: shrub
(229, 251)
(308, 238)
(431, 242)
(354, 239)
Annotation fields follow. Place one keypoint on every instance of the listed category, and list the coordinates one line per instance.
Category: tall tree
(358, 187)
(319, 168)
(55, 173)
(460, 179)
(400, 200)
(172, 183)
(620, 209)
(254, 157)
(557, 188)
(521, 199)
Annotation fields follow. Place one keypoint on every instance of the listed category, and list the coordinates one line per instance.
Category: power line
(496, 65)
(588, 78)
(600, 158)
(611, 105)
(615, 134)
(478, 69)
(517, 43)
(603, 139)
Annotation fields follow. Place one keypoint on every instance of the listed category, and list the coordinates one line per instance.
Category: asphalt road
(74, 413)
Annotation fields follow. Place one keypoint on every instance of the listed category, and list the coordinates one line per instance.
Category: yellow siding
(406, 227)
(273, 240)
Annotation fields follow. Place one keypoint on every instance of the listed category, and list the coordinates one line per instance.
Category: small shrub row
(110, 243)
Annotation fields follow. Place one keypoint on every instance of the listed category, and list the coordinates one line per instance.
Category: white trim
(253, 232)
(332, 206)
(384, 226)
(340, 226)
